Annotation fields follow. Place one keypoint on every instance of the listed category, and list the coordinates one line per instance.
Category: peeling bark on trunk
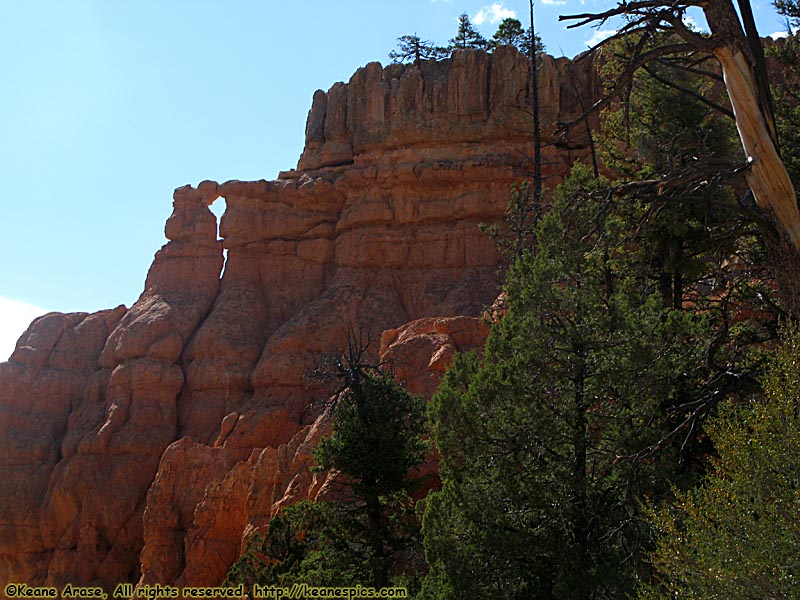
(767, 177)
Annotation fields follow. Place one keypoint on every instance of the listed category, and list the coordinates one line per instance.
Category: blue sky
(108, 105)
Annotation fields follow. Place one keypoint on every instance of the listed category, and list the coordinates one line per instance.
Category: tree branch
(642, 8)
(689, 92)
(623, 81)
(694, 71)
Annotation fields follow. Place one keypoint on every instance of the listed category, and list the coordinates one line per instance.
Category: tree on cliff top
(510, 32)
(467, 36)
(412, 48)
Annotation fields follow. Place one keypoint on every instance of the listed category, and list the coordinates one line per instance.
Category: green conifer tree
(376, 441)
(668, 131)
(536, 502)
(410, 48)
(788, 8)
(369, 535)
(786, 88)
(467, 36)
(510, 32)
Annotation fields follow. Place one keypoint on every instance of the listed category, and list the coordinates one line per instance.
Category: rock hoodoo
(145, 444)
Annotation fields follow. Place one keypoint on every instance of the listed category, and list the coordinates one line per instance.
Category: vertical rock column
(92, 513)
(54, 362)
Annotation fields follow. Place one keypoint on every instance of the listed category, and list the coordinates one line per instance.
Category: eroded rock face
(419, 352)
(146, 445)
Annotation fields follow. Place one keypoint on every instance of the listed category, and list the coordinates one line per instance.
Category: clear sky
(108, 105)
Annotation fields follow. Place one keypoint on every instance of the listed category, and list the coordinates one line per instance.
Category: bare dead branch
(690, 92)
(673, 64)
(644, 7)
(623, 81)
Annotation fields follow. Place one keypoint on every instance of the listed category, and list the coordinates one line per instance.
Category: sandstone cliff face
(146, 444)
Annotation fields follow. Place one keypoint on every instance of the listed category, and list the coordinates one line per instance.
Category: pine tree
(412, 48)
(510, 32)
(786, 88)
(376, 441)
(467, 36)
(535, 500)
(788, 8)
(733, 41)
(370, 533)
(664, 132)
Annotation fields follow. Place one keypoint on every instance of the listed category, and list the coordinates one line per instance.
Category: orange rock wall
(145, 444)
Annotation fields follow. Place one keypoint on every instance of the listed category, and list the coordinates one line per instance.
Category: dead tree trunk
(767, 176)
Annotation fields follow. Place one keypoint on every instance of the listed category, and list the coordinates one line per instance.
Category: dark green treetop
(377, 437)
(467, 36)
(786, 89)
(788, 8)
(510, 32)
(369, 536)
(536, 501)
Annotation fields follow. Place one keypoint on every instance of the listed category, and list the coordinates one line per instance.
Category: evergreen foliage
(734, 42)
(308, 542)
(536, 500)
(628, 318)
(670, 146)
(410, 48)
(377, 429)
(370, 536)
(467, 36)
(788, 8)
(510, 32)
(377, 440)
(672, 118)
(737, 536)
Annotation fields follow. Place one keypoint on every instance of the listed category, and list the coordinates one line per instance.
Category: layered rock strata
(145, 444)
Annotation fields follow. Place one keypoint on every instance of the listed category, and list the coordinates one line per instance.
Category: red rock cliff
(144, 444)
